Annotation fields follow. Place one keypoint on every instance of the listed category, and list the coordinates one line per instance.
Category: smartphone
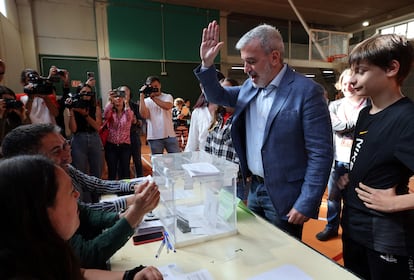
(90, 75)
(146, 238)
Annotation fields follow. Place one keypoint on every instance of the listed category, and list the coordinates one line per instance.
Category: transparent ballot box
(198, 196)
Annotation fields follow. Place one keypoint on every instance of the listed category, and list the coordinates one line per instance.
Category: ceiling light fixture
(365, 23)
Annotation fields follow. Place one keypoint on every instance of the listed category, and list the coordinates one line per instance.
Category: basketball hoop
(335, 56)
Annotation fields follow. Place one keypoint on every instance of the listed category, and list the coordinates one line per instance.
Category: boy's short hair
(380, 50)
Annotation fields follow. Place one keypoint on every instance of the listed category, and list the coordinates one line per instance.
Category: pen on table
(169, 243)
(160, 248)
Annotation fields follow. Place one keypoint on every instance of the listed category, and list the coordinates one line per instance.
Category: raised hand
(210, 45)
(146, 198)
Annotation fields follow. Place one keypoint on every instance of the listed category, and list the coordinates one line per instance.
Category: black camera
(60, 72)
(13, 104)
(118, 93)
(56, 78)
(40, 85)
(76, 100)
(148, 90)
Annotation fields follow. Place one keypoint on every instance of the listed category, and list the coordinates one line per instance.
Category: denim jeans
(136, 153)
(335, 196)
(170, 144)
(87, 153)
(260, 203)
(118, 158)
(87, 156)
(241, 189)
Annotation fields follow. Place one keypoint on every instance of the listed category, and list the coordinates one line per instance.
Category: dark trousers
(369, 264)
(117, 159)
(136, 153)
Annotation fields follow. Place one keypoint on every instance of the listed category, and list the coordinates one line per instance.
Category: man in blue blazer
(281, 127)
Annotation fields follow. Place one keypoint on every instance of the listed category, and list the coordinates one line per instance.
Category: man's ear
(275, 57)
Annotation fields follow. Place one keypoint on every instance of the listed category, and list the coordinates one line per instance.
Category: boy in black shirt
(378, 245)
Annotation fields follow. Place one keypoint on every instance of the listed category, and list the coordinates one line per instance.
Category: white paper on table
(171, 272)
(284, 272)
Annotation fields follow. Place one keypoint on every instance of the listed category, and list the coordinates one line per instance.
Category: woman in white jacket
(200, 122)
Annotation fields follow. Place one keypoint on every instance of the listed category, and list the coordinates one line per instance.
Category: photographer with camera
(118, 145)
(62, 119)
(40, 99)
(136, 126)
(12, 112)
(155, 106)
(85, 118)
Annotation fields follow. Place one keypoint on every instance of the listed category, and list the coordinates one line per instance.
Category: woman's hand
(147, 196)
(146, 199)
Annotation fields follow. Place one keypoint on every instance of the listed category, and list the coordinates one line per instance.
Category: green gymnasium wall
(180, 81)
(147, 38)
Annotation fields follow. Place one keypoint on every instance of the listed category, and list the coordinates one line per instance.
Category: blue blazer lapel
(244, 99)
(280, 99)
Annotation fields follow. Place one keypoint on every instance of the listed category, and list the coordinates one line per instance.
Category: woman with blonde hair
(344, 114)
(180, 116)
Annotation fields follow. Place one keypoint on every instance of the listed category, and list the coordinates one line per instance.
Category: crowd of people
(277, 126)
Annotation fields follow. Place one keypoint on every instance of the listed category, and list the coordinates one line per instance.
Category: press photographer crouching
(40, 97)
(85, 118)
(12, 112)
